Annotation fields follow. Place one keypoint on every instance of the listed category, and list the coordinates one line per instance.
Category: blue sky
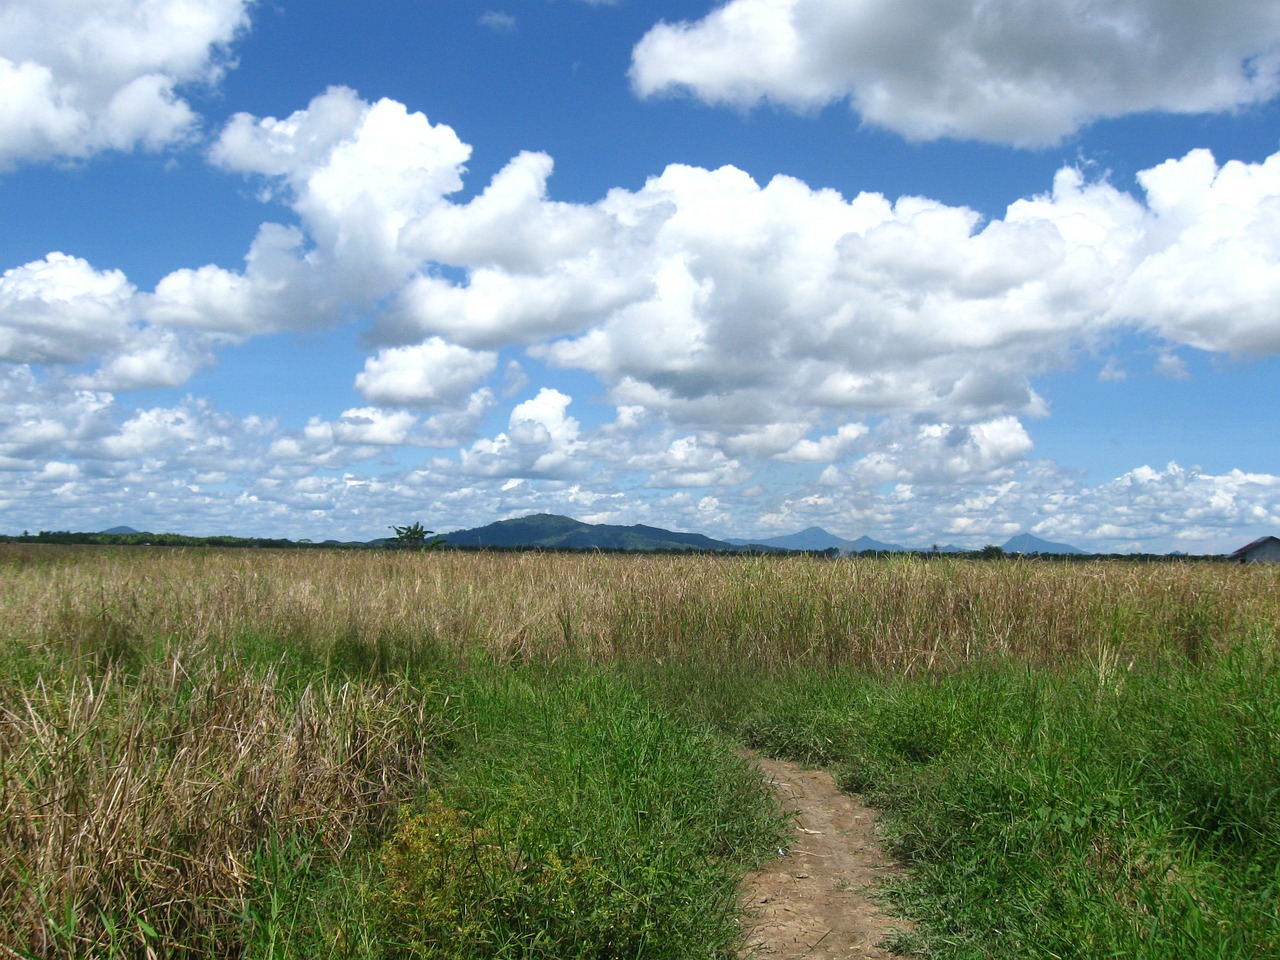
(927, 271)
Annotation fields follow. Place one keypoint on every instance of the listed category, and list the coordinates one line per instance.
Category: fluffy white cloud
(39, 424)
(826, 449)
(1213, 279)
(151, 358)
(79, 459)
(944, 453)
(1187, 507)
(1143, 510)
(61, 310)
(362, 433)
(689, 462)
(454, 428)
(511, 225)
(371, 425)
(81, 76)
(1003, 70)
(432, 373)
(741, 331)
(765, 304)
(762, 313)
(541, 440)
(155, 431)
(357, 175)
(496, 307)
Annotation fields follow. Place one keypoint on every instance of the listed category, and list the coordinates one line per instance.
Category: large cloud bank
(730, 326)
(1006, 71)
(82, 76)
(712, 301)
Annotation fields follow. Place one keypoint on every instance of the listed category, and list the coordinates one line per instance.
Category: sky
(930, 271)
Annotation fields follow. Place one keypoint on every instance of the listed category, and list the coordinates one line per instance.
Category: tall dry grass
(896, 614)
(166, 714)
(147, 798)
(146, 767)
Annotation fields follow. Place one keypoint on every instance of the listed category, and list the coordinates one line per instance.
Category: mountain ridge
(1028, 543)
(816, 538)
(553, 531)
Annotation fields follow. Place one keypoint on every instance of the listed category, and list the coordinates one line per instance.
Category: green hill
(551, 532)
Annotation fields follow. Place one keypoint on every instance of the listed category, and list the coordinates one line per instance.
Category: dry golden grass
(896, 614)
(144, 765)
(165, 713)
(146, 797)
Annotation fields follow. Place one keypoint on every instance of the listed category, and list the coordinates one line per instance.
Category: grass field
(318, 754)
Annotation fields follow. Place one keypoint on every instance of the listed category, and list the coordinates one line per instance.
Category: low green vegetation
(1101, 810)
(429, 754)
(582, 822)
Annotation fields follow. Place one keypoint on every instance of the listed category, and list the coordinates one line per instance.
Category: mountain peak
(550, 531)
(1028, 543)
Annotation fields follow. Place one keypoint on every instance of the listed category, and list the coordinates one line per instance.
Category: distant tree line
(414, 536)
(162, 540)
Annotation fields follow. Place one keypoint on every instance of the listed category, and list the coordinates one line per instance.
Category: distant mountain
(1026, 543)
(867, 543)
(815, 538)
(564, 533)
(122, 530)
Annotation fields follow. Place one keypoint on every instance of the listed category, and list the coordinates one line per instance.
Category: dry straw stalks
(142, 800)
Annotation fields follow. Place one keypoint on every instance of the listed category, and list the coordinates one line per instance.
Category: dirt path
(812, 902)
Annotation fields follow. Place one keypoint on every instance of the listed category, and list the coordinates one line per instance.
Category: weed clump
(457, 884)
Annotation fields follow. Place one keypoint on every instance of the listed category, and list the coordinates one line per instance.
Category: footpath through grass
(259, 755)
(1098, 810)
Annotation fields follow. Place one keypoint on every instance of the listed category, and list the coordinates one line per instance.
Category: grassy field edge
(209, 753)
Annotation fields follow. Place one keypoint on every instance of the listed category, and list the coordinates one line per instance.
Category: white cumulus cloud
(356, 175)
(1002, 70)
(432, 373)
(944, 453)
(81, 76)
(734, 327)
(151, 358)
(541, 440)
(1213, 279)
(61, 310)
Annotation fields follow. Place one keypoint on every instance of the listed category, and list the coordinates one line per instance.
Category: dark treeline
(144, 539)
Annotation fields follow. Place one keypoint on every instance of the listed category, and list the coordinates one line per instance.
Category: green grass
(619, 831)
(261, 755)
(270, 805)
(1093, 811)
(572, 819)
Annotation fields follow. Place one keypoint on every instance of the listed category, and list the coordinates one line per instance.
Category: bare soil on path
(813, 901)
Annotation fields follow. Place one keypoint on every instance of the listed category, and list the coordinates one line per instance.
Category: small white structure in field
(1262, 550)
